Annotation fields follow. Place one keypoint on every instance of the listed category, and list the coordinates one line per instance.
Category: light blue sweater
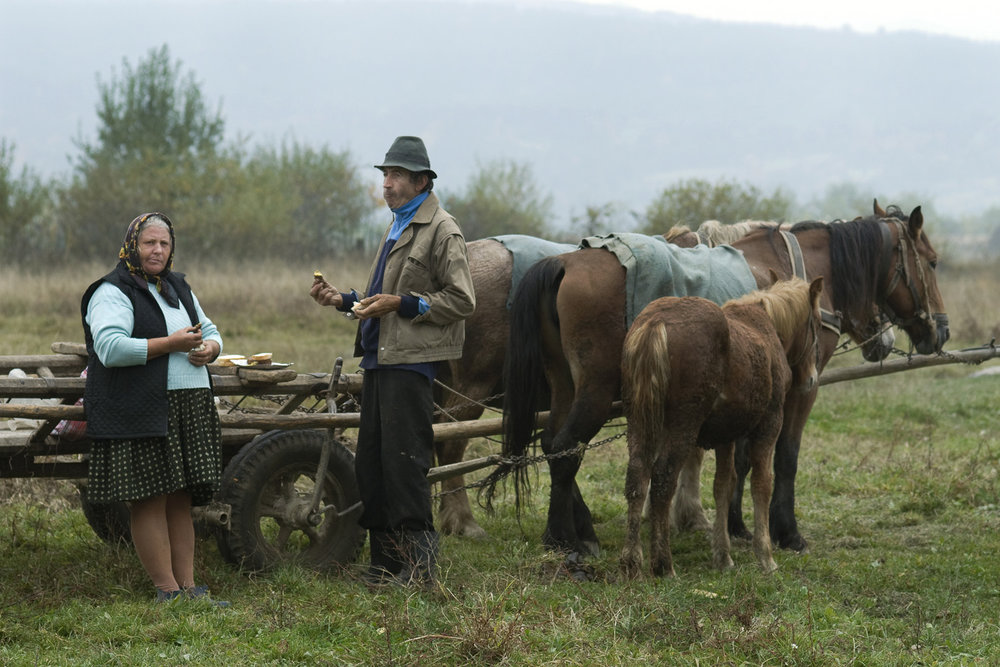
(111, 319)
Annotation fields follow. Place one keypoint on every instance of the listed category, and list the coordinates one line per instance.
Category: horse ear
(916, 222)
(815, 289)
(879, 212)
(774, 276)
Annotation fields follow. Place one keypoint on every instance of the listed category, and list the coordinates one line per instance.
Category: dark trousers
(395, 451)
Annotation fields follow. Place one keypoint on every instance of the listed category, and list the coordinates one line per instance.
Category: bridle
(902, 272)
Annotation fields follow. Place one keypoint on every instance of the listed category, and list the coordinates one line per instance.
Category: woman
(149, 404)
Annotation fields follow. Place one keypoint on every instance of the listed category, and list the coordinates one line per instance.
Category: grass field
(898, 494)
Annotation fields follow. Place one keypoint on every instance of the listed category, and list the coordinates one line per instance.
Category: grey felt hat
(408, 153)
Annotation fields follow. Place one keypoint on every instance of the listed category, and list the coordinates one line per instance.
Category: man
(411, 317)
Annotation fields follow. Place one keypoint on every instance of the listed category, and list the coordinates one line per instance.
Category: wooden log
(60, 364)
(257, 382)
(970, 355)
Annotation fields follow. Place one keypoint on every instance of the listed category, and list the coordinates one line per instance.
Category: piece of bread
(228, 359)
(260, 358)
(318, 275)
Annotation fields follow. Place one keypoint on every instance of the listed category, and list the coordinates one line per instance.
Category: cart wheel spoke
(281, 540)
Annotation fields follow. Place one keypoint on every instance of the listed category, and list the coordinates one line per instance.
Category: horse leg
(761, 452)
(725, 479)
(687, 512)
(636, 490)
(661, 490)
(784, 530)
(737, 527)
(454, 511)
(570, 525)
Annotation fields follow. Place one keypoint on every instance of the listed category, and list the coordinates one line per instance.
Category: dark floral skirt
(189, 457)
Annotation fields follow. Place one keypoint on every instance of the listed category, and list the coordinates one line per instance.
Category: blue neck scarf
(404, 214)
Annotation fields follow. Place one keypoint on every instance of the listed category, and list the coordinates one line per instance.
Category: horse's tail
(533, 310)
(645, 378)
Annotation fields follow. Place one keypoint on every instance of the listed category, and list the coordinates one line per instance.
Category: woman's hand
(204, 353)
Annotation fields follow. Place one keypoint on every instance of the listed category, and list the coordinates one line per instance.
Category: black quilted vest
(131, 401)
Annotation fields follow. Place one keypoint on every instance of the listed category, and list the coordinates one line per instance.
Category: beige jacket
(428, 261)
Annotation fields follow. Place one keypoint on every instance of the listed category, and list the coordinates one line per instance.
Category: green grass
(898, 495)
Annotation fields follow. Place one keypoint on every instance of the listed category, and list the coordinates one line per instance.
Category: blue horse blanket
(525, 251)
(655, 268)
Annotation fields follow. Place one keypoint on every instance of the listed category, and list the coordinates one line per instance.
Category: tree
(24, 199)
(597, 219)
(694, 201)
(157, 145)
(840, 201)
(501, 198)
(326, 209)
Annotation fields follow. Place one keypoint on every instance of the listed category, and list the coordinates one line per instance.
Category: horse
(695, 374)
(467, 386)
(568, 319)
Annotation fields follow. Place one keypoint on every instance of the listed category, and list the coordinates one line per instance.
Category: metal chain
(513, 463)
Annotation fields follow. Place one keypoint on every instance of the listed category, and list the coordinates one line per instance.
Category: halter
(900, 271)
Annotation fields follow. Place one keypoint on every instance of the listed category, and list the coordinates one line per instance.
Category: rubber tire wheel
(281, 465)
(110, 522)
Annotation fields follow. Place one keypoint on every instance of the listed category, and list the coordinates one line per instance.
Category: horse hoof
(472, 531)
(591, 549)
(793, 543)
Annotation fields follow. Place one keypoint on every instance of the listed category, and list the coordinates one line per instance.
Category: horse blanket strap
(655, 268)
(525, 251)
(829, 320)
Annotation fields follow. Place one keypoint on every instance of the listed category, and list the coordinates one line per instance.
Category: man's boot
(420, 550)
(386, 558)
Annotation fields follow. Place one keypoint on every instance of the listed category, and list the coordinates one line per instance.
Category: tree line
(160, 145)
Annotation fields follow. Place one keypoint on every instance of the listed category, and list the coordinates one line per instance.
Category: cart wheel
(109, 521)
(269, 487)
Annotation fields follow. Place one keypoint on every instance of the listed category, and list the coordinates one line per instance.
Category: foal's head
(793, 306)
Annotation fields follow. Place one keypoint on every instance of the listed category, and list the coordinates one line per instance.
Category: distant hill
(606, 105)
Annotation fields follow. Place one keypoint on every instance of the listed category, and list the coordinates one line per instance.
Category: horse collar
(828, 320)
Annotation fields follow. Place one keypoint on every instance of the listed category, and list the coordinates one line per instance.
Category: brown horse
(569, 321)
(698, 375)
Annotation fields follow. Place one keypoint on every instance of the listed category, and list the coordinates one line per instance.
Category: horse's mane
(721, 234)
(856, 265)
(786, 302)
(855, 260)
(676, 231)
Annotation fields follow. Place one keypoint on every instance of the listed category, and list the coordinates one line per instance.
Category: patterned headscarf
(129, 255)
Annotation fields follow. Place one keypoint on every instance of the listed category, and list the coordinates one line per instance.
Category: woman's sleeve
(111, 321)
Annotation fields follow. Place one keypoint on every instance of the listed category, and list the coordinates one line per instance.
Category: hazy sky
(974, 19)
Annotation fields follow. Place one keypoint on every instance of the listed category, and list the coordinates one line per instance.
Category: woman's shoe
(167, 596)
(201, 593)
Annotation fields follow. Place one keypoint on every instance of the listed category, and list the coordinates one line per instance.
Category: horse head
(800, 328)
(909, 294)
(877, 338)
